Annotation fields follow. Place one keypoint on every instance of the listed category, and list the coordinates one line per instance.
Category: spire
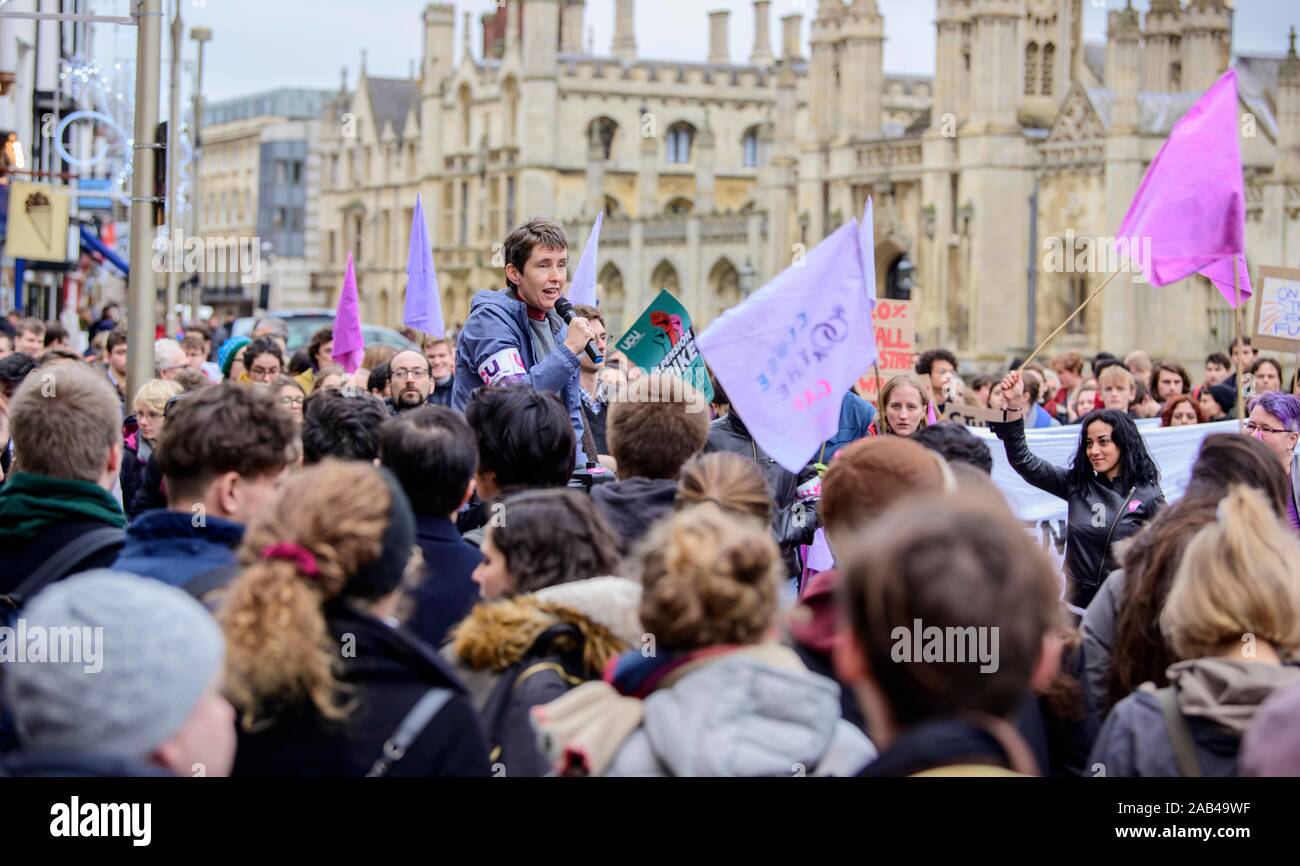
(1289, 72)
(363, 63)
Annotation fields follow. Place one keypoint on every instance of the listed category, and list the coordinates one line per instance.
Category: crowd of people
(499, 556)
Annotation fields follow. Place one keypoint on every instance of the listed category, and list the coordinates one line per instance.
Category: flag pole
(1236, 317)
(1076, 312)
(875, 366)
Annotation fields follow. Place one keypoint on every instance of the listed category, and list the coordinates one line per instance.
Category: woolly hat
(226, 354)
(122, 662)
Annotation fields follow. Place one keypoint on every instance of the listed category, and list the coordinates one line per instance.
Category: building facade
(258, 195)
(716, 175)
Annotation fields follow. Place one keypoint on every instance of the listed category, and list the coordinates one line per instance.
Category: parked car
(305, 322)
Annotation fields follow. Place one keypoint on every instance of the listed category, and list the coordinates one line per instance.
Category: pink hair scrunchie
(295, 553)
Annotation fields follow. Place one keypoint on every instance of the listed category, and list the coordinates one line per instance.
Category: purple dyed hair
(1283, 407)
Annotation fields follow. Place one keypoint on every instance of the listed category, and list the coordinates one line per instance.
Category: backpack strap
(61, 563)
(1180, 736)
(214, 578)
(416, 720)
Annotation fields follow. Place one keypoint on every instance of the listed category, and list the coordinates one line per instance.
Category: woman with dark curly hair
(553, 616)
(1112, 487)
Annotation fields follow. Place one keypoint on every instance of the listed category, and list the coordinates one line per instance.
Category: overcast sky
(261, 44)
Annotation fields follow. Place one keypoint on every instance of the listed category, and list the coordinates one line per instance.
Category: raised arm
(1038, 472)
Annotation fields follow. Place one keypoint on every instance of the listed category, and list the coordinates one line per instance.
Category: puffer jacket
(794, 523)
(496, 347)
(518, 653)
(1217, 698)
(755, 711)
(1121, 507)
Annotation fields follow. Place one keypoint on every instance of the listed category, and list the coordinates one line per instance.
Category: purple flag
(1191, 206)
(583, 288)
(349, 344)
(787, 355)
(423, 304)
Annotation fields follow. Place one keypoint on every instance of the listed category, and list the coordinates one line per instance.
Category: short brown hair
(590, 313)
(225, 428)
(1071, 361)
(199, 328)
(65, 418)
(31, 325)
(958, 566)
(870, 475)
(709, 580)
(653, 428)
(537, 232)
(116, 337)
(195, 343)
(732, 482)
(1116, 374)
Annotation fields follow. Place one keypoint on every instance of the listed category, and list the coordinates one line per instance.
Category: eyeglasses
(263, 372)
(415, 374)
(1252, 428)
(294, 402)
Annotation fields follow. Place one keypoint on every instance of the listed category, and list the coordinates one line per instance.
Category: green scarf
(29, 503)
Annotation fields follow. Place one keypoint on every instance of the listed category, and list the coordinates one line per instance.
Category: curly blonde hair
(279, 650)
(709, 579)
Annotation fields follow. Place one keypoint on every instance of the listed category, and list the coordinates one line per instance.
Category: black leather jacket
(1101, 513)
(794, 524)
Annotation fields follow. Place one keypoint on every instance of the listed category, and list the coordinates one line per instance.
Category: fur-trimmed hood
(497, 635)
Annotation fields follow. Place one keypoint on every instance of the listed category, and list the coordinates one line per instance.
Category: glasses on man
(1252, 428)
(415, 374)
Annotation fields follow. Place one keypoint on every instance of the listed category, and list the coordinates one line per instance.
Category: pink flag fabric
(349, 344)
(787, 355)
(1191, 204)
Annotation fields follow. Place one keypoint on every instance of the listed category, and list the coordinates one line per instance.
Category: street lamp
(202, 36)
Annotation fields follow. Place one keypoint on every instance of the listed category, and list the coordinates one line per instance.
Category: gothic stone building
(715, 175)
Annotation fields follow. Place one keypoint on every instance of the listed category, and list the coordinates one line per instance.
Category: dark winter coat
(386, 670)
(525, 651)
(1121, 507)
(633, 506)
(447, 593)
(167, 546)
(135, 460)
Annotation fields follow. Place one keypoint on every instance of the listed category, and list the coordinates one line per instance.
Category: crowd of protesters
(497, 556)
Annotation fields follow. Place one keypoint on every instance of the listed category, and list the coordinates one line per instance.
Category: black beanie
(379, 577)
(1226, 396)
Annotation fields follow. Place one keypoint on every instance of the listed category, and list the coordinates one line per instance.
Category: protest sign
(663, 338)
(1277, 310)
(970, 416)
(895, 324)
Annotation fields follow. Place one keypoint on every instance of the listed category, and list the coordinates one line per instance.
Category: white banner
(1174, 450)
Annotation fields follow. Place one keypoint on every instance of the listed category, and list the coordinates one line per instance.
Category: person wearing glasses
(264, 361)
(1274, 419)
(288, 392)
(409, 381)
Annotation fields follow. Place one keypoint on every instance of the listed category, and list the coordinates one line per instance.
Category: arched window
(1049, 55)
(601, 134)
(749, 144)
(724, 285)
(612, 207)
(612, 299)
(679, 207)
(665, 277)
(1031, 69)
(681, 138)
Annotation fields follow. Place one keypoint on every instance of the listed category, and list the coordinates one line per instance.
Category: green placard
(663, 338)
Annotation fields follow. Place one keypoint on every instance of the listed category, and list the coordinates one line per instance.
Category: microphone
(565, 309)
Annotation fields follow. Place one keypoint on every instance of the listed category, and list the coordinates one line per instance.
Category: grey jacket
(1218, 698)
(742, 716)
(1099, 624)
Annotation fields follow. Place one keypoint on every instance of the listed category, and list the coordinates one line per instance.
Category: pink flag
(1191, 206)
(349, 344)
(788, 353)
